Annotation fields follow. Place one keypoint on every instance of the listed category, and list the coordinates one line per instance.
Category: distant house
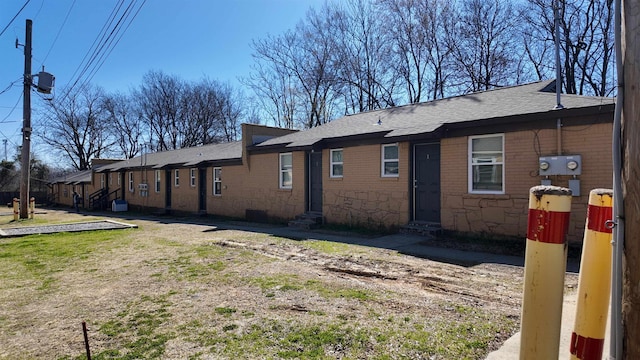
(466, 163)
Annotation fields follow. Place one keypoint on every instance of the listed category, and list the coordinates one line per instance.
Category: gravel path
(49, 229)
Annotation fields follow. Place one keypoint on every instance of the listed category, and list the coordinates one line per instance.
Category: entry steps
(425, 228)
(307, 221)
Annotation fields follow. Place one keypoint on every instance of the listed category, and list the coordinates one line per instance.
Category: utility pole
(630, 184)
(26, 126)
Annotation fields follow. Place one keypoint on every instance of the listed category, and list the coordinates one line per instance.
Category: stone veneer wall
(362, 197)
(507, 214)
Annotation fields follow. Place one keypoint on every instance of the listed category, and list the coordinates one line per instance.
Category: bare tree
(422, 54)
(160, 100)
(231, 112)
(363, 57)
(294, 73)
(9, 176)
(213, 113)
(484, 44)
(126, 124)
(77, 126)
(586, 42)
(274, 90)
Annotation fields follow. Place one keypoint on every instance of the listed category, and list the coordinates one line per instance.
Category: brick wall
(256, 187)
(362, 196)
(507, 214)
(184, 197)
(154, 200)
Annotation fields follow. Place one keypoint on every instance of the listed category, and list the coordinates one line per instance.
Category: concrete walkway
(510, 350)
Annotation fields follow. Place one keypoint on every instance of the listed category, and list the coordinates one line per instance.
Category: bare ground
(193, 289)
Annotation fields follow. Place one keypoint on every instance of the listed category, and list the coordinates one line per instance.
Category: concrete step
(311, 215)
(308, 220)
(306, 224)
(424, 228)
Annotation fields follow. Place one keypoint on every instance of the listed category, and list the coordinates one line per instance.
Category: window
(101, 181)
(286, 173)
(390, 160)
(336, 163)
(192, 176)
(486, 160)
(158, 177)
(118, 176)
(176, 178)
(110, 179)
(130, 181)
(217, 181)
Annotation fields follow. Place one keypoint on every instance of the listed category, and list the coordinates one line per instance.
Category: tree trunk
(631, 180)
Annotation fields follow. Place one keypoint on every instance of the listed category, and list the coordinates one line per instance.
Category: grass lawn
(187, 291)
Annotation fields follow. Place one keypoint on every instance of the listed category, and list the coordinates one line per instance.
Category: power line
(12, 109)
(93, 49)
(112, 47)
(11, 21)
(10, 86)
(59, 31)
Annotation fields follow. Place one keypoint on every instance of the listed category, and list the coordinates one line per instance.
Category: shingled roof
(189, 157)
(500, 104)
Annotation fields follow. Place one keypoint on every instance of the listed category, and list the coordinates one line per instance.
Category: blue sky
(187, 38)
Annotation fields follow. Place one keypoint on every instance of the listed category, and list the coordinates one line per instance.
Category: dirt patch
(178, 291)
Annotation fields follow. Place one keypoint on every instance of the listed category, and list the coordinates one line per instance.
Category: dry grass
(185, 291)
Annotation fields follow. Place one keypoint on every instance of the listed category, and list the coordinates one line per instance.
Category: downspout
(617, 330)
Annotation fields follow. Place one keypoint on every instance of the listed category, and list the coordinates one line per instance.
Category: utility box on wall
(560, 165)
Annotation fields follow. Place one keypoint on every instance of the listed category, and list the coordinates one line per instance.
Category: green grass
(39, 257)
(286, 339)
(137, 330)
(329, 247)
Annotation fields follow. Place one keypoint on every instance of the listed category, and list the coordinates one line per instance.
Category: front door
(202, 194)
(426, 182)
(315, 181)
(123, 184)
(167, 203)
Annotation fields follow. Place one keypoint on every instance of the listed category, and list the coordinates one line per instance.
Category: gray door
(426, 158)
(202, 193)
(315, 181)
(168, 181)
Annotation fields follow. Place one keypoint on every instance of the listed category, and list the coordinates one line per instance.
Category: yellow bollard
(594, 284)
(544, 272)
(32, 207)
(16, 209)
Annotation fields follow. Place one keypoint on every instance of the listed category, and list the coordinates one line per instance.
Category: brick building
(465, 162)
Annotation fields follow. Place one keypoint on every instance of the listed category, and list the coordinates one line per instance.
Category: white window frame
(102, 181)
(110, 179)
(131, 188)
(217, 180)
(176, 177)
(118, 177)
(192, 177)
(282, 170)
(158, 181)
(384, 161)
(489, 162)
(333, 163)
